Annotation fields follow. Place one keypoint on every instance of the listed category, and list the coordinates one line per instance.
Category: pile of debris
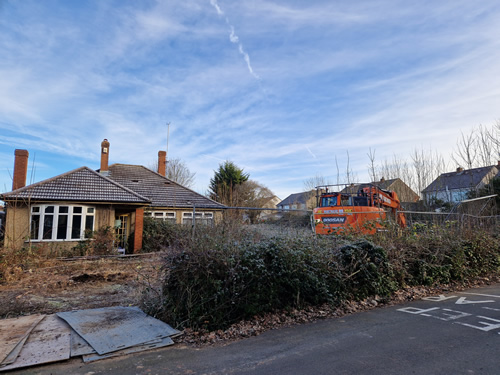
(91, 334)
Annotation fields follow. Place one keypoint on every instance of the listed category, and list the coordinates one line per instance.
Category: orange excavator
(360, 208)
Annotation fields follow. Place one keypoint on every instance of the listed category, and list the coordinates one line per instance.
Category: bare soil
(63, 285)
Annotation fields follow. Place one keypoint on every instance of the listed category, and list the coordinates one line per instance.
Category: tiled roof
(297, 198)
(160, 190)
(82, 185)
(465, 179)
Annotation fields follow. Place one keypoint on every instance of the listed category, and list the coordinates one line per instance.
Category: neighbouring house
(63, 209)
(404, 192)
(271, 204)
(299, 201)
(454, 187)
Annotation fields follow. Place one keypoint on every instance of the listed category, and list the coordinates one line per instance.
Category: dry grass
(52, 285)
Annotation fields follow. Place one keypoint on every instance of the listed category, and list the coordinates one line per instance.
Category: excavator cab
(359, 208)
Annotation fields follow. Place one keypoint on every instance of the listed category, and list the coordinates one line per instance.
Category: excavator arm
(385, 198)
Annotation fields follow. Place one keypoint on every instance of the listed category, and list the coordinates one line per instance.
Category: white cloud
(336, 76)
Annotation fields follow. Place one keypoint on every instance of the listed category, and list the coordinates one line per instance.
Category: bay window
(60, 222)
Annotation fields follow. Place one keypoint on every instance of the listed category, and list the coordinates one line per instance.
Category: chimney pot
(20, 169)
(104, 156)
(162, 163)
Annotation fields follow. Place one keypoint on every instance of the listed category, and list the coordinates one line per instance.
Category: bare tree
(177, 171)
(494, 135)
(398, 167)
(372, 169)
(180, 173)
(350, 176)
(466, 150)
(338, 170)
(310, 186)
(427, 167)
(312, 182)
(251, 193)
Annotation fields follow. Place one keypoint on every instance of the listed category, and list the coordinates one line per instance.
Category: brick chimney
(104, 156)
(162, 163)
(20, 169)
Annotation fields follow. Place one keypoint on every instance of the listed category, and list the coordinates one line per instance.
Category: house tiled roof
(464, 179)
(385, 185)
(297, 198)
(80, 185)
(162, 191)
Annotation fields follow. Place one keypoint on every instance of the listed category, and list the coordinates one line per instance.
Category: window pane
(63, 209)
(35, 209)
(76, 226)
(49, 209)
(158, 214)
(170, 214)
(62, 226)
(209, 215)
(77, 210)
(89, 223)
(90, 210)
(35, 226)
(47, 226)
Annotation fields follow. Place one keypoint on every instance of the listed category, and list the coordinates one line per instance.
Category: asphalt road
(456, 333)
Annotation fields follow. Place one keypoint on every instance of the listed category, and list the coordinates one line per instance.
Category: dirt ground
(64, 285)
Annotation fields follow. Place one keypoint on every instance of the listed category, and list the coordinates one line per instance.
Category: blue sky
(281, 88)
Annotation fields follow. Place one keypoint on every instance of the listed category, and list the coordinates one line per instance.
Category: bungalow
(64, 208)
(454, 186)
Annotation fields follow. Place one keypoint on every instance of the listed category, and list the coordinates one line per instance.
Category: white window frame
(169, 216)
(70, 212)
(201, 217)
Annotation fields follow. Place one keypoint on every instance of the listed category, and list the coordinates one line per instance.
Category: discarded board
(135, 349)
(48, 342)
(13, 333)
(79, 346)
(115, 328)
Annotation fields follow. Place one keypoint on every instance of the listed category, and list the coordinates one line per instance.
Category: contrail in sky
(308, 149)
(234, 38)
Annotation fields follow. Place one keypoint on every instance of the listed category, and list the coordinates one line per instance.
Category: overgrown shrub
(443, 255)
(367, 268)
(218, 276)
(231, 281)
(99, 242)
